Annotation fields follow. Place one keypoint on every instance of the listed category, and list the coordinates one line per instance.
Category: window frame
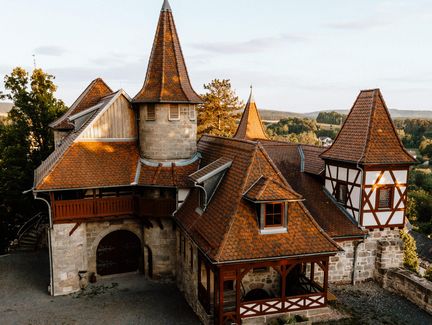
(390, 188)
(338, 187)
(192, 116)
(282, 215)
(170, 117)
(148, 117)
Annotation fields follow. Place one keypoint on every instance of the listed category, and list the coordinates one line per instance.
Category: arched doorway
(118, 252)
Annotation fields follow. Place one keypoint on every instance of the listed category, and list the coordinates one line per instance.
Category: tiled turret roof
(368, 135)
(167, 79)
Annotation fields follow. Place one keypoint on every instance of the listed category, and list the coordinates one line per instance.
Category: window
(184, 109)
(342, 193)
(174, 112)
(151, 112)
(273, 215)
(384, 198)
(192, 113)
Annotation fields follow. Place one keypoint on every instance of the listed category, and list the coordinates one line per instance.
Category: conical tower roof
(167, 79)
(368, 135)
(250, 126)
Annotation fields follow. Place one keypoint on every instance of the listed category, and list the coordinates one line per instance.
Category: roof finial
(166, 6)
(251, 98)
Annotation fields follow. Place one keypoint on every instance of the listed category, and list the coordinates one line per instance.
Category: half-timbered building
(247, 227)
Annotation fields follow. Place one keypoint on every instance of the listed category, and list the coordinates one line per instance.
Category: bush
(411, 261)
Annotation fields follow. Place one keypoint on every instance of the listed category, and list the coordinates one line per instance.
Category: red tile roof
(167, 79)
(250, 126)
(228, 230)
(89, 97)
(172, 176)
(368, 135)
(313, 163)
(93, 165)
(266, 189)
(217, 165)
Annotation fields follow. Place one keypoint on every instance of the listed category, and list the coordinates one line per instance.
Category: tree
(218, 114)
(426, 147)
(411, 261)
(330, 118)
(25, 140)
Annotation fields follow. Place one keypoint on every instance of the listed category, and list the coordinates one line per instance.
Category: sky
(299, 55)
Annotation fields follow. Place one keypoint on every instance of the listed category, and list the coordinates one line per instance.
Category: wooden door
(118, 252)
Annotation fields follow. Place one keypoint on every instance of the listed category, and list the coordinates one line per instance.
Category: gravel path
(370, 304)
(128, 299)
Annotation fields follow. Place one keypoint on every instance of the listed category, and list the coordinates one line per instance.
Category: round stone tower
(167, 102)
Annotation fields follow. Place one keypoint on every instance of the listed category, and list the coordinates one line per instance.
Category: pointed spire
(167, 79)
(368, 135)
(166, 6)
(250, 126)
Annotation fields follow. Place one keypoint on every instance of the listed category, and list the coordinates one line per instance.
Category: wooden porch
(222, 294)
(76, 210)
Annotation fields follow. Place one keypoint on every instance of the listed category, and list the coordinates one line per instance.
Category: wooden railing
(65, 210)
(278, 305)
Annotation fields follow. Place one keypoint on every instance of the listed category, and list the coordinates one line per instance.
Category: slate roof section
(228, 230)
(250, 126)
(93, 165)
(167, 79)
(313, 163)
(94, 92)
(287, 158)
(211, 169)
(368, 135)
(172, 176)
(267, 190)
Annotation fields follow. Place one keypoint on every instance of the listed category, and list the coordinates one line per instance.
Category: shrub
(428, 273)
(411, 261)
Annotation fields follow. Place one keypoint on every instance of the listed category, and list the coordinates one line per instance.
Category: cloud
(50, 50)
(253, 45)
(359, 24)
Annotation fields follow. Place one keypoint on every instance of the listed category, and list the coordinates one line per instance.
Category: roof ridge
(371, 114)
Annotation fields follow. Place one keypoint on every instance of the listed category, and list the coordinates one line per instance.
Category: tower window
(384, 197)
(342, 193)
(273, 215)
(174, 112)
(151, 112)
(192, 113)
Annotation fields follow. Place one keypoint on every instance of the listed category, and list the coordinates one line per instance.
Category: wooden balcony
(74, 210)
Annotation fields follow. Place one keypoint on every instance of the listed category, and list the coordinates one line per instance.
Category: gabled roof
(368, 135)
(94, 92)
(267, 190)
(250, 126)
(167, 79)
(228, 229)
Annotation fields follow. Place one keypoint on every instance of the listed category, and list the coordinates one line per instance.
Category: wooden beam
(74, 228)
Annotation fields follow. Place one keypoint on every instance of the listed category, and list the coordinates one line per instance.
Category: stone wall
(163, 139)
(162, 245)
(68, 255)
(408, 285)
(364, 252)
(268, 280)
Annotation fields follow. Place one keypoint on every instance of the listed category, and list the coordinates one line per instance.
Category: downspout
(353, 273)
(49, 242)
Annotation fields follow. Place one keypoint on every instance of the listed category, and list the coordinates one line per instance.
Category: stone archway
(118, 252)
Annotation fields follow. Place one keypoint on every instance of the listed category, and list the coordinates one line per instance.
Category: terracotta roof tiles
(250, 126)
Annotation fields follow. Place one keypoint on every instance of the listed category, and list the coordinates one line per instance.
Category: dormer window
(274, 214)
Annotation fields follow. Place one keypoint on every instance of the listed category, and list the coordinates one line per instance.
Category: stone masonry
(164, 139)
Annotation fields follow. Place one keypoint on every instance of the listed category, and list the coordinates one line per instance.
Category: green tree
(411, 261)
(221, 109)
(330, 118)
(426, 147)
(25, 140)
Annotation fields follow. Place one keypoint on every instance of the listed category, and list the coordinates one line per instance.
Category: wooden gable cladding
(117, 121)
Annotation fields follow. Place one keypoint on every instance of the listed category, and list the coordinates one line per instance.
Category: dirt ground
(128, 299)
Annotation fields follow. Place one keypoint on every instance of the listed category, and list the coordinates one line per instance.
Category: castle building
(247, 227)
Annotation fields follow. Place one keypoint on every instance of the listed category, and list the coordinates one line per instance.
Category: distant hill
(5, 108)
(273, 115)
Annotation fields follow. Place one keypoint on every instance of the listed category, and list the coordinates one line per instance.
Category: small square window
(184, 109)
(273, 215)
(384, 197)
(174, 112)
(342, 193)
(151, 112)
(192, 113)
